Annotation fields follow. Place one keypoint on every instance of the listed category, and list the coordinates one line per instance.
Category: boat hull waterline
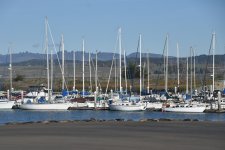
(185, 110)
(127, 108)
(56, 106)
(6, 104)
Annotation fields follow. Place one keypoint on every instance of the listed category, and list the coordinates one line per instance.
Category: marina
(112, 75)
(41, 103)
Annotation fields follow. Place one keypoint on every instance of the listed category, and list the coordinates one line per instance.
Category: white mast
(10, 73)
(125, 70)
(96, 71)
(213, 51)
(148, 72)
(47, 59)
(164, 62)
(194, 69)
(140, 62)
(143, 75)
(166, 78)
(90, 70)
(187, 78)
(115, 76)
(74, 71)
(62, 48)
(110, 74)
(83, 66)
(191, 50)
(10, 68)
(178, 67)
(120, 49)
(51, 87)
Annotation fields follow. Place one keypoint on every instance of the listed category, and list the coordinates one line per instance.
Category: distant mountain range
(102, 56)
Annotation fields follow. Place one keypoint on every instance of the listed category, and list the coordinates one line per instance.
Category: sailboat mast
(148, 72)
(194, 69)
(213, 51)
(115, 75)
(191, 50)
(10, 66)
(62, 48)
(187, 78)
(120, 49)
(164, 62)
(140, 63)
(74, 71)
(83, 67)
(125, 70)
(166, 80)
(143, 75)
(90, 70)
(178, 67)
(47, 58)
(96, 71)
(10, 72)
(51, 74)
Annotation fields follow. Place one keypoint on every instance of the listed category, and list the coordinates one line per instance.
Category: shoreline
(126, 135)
(112, 120)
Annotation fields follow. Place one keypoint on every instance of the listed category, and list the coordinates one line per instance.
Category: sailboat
(154, 101)
(4, 102)
(99, 102)
(81, 102)
(186, 107)
(127, 104)
(48, 105)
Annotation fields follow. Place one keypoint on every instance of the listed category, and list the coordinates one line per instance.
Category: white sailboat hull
(199, 109)
(77, 104)
(118, 107)
(98, 105)
(6, 104)
(153, 105)
(54, 106)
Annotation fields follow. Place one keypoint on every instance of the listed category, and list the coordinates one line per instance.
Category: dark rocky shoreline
(99, 120)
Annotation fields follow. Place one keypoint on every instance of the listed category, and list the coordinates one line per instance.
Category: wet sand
(114, 135)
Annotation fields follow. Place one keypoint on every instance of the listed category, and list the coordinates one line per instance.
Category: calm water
(7, 116)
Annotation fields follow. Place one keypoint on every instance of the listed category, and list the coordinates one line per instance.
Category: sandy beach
(114, 135)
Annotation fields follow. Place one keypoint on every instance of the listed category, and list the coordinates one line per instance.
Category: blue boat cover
(65, 93)
(41, 100)
(84, 93)
(73, 92)
(188, 97)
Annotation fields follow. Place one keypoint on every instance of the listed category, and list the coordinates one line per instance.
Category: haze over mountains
(102, 56)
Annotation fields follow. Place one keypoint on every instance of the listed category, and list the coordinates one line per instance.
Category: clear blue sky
(189, 22)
